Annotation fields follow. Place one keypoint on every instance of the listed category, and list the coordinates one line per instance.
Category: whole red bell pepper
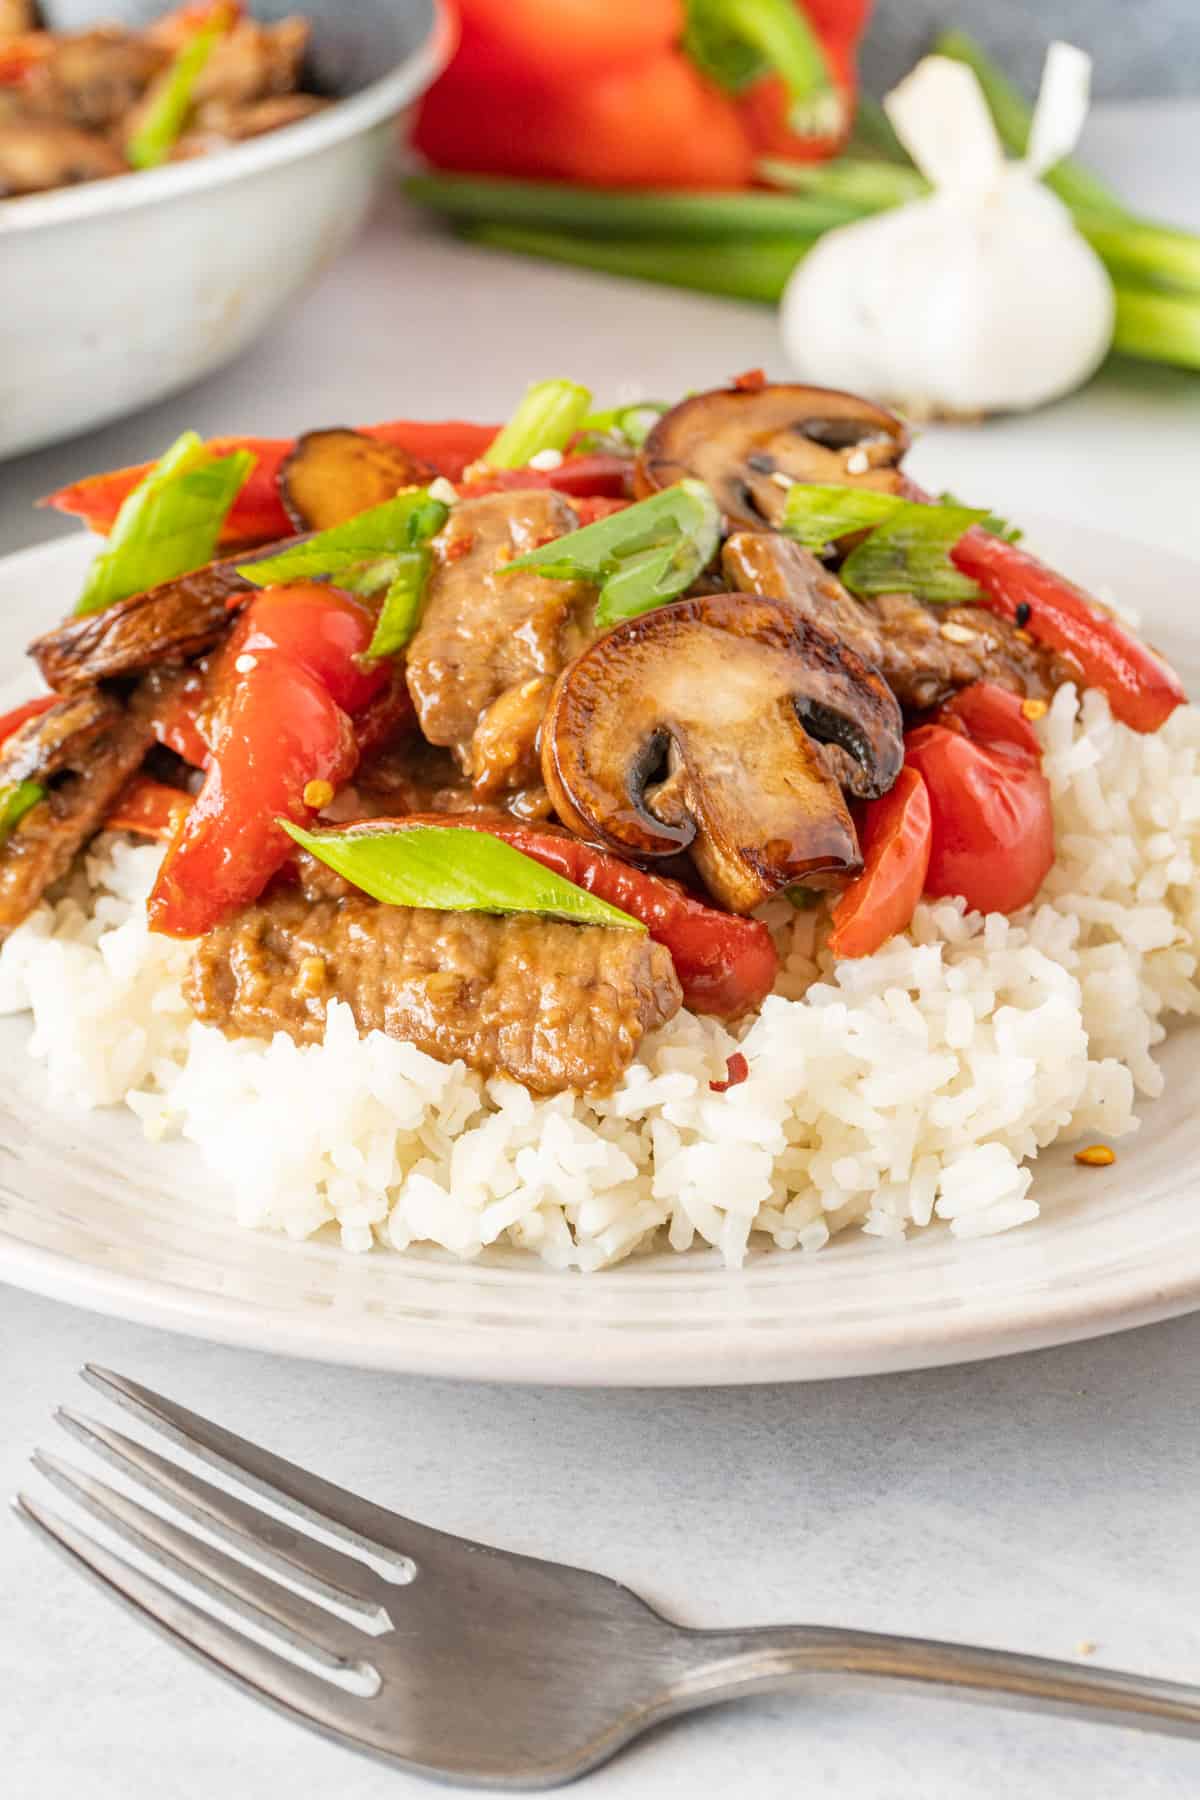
(641, 93)
(725, 964)
(1142, 690)
(281, 742)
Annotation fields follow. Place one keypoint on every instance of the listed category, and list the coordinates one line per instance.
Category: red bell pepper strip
(897, 837)
(725, 964)
(11, 722)
(599, 477)
(388, 716)
(993, 826)
(281, 733)
(149, 808)
(257, 515)
(1142, 690)
(281, 742)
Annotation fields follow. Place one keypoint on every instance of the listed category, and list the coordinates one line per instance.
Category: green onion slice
(385, 547)
(630, 425)
(167, 113)
(818, 514)
(16, 799)
(170, 523)
(907, 544)
(550, 414)
(640, 557)
(910, 552)
(453, 869)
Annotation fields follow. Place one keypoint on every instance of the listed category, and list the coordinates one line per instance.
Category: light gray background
(1139, 46)
(1038, 1504)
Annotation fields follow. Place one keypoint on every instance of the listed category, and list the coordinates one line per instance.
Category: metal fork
(454, 1660)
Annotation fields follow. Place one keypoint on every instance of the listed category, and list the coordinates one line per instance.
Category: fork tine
(303, 1695)
(291, 1553)
(319, 1634)
(357, 1521)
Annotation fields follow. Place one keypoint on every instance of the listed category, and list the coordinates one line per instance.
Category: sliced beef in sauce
(925, 652)
(552, 1005)
(489, 645)
(171, 623)
(83, 751)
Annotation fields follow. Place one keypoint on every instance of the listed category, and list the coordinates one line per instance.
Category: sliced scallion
(453, 869)
(549, 415)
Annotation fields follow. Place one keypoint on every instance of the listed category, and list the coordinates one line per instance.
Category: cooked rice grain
(910, 1086)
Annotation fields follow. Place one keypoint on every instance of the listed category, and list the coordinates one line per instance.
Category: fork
(454, 1660)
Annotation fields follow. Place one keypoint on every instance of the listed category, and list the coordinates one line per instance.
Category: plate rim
(1136, 1291)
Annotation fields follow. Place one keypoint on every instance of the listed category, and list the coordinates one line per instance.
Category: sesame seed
(1025, 636)
(1096, 1156)
(1034, 709)
(245, 663)
(954, 633)
(1086, 1647)
(783, 481)
(443, 490)
(857, 463)
(318, 794)
(546, 459)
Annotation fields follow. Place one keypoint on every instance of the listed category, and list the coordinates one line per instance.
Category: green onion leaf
(401, 611)
(733, 42)
(168, 109)
(630, 424)
(169, 524)
(384, 547)
(640, 557)
(453, 869)
(817, 515)
(910, 553)
(991, 522)
(16, 799)
(548, 417)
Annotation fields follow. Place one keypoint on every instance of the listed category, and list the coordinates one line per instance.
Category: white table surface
(1044, 1503)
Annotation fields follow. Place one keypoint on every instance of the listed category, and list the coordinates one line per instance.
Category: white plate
(91, 1214)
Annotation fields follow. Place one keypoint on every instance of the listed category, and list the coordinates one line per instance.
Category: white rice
(910, 1086)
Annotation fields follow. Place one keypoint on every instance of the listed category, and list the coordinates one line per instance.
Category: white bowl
(117, 292)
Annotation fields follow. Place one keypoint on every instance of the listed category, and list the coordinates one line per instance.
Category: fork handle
(725, 1665)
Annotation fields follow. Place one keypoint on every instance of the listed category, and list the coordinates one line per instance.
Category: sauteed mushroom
(331, 475)
(750, 444)
(703, 726)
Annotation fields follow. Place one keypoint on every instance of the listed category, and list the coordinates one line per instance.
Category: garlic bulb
(982, 297)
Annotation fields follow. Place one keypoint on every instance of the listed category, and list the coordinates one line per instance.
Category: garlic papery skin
(983, 297)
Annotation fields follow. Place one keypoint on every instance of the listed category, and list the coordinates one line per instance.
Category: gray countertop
(1044, 1503)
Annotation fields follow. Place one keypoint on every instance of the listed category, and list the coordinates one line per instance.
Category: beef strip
(922, 662)
(489, 645)
(551, 1004)
(180, 619)
(83, 750)
(91, 79)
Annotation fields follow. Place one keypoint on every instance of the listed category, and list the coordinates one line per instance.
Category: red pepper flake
(749, 381)
(458, 547)
(736, 1071)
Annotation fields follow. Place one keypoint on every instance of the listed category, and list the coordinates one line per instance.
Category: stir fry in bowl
(542, 748)
(80, 106)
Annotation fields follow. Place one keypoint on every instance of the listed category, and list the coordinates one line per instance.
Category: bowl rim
(346, 118)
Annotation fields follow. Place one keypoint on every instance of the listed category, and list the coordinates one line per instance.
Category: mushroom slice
(702, 726)
(331, 475)
(751, 444)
